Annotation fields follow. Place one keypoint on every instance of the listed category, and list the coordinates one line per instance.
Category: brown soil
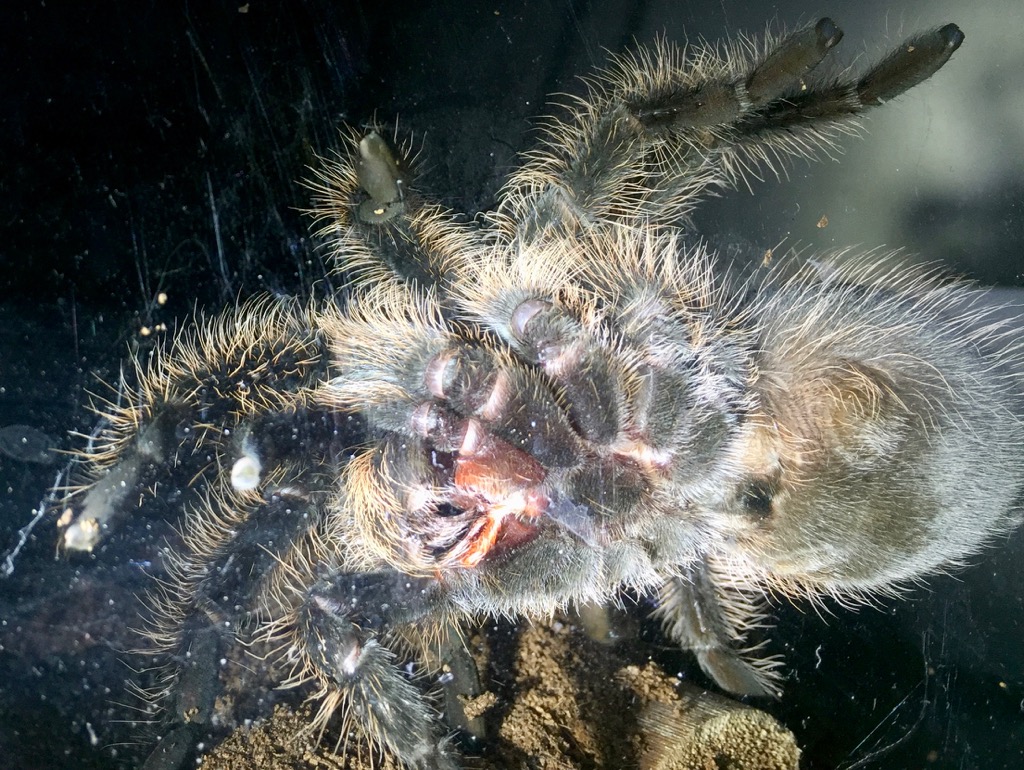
(571, 704)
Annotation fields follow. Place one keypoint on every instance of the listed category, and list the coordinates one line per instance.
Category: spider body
(564, 402)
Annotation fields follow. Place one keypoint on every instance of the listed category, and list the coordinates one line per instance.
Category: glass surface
(151, 160)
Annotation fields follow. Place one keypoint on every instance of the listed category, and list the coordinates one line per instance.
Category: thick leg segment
(336, 639)
(111, 496)
(221, 585)
(378, 227)
(708, 104)
(795, 57)
(702, 614)
(584, 362)
(912, 63)
(192, 407)
(662, 126)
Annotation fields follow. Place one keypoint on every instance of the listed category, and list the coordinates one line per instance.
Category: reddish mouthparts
(502, 482)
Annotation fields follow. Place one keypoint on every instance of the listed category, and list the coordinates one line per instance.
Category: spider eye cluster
(565, 400)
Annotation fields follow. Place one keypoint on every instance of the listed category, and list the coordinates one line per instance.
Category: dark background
(156, 147)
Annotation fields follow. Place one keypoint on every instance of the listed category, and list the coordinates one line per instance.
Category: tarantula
(564, 401)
